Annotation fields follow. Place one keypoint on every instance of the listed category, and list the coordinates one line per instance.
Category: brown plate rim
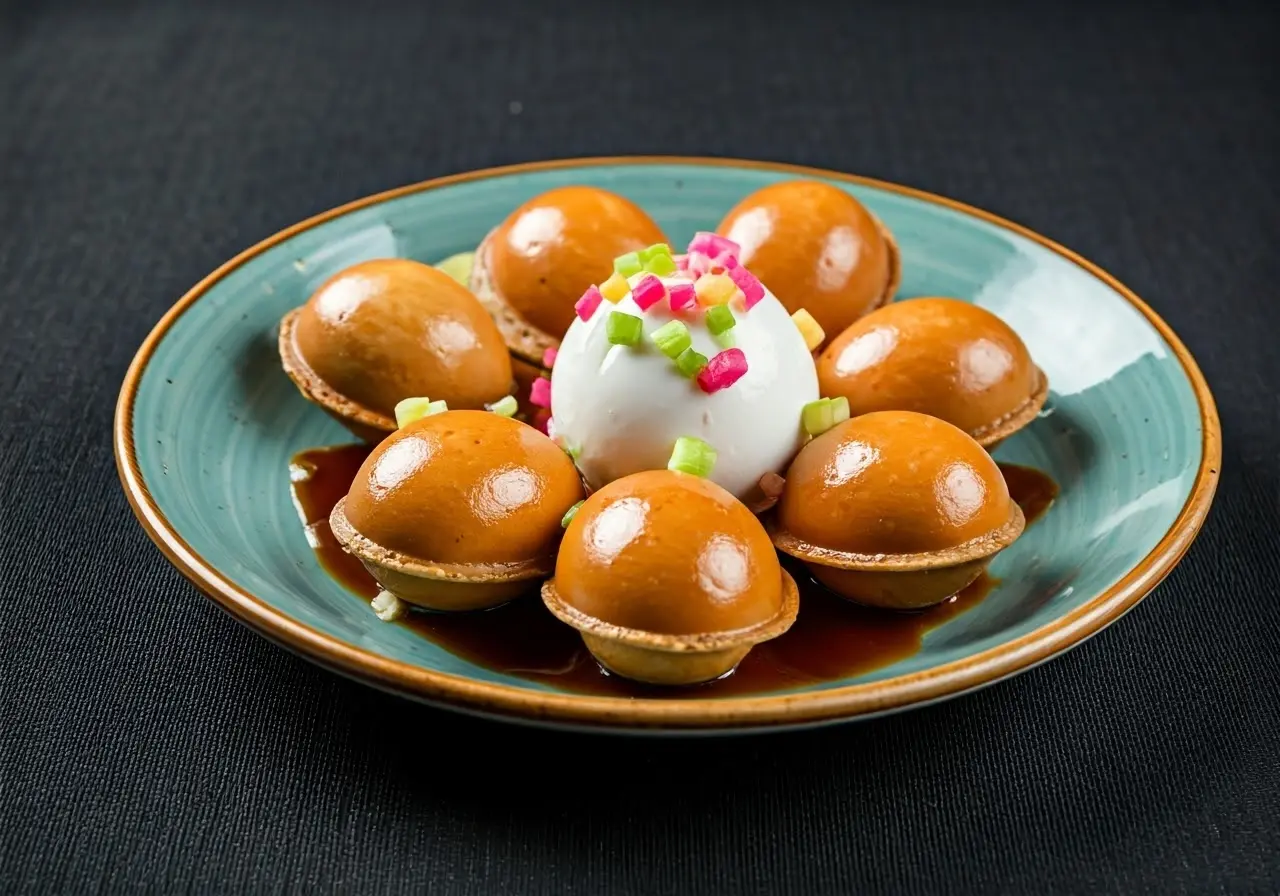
(762, 712)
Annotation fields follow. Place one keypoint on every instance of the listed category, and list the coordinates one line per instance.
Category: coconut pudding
(690, 350)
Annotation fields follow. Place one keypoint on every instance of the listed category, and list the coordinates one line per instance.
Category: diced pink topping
(752, 288)
(683, 296)
(726, 260)
(699, 263)
(589, 302)
(682, 262)
(540, 392)
(713, 245)
(723, 370)
(648, 292)
(549, 358)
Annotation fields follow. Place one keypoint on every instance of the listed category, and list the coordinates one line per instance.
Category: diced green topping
(690, 363)
(653, 251)
(628, 265)
(839, 410)
(662, 265)
(692, 456)
(657, 260)
(726, 339)
(818, 416)
(411, 409)
(672, 338)
(569, 515)
(719, 319)
(505, 407)
(459, 267)
(622, 328)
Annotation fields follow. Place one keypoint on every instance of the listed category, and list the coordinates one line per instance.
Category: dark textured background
(150, 743)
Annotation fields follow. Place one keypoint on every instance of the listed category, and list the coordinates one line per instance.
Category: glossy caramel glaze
(938, 356)
(548, 251)
(394, 328)
(669, 553)
(893, 482)
(831, 639)
(464, 487)
(815, 247)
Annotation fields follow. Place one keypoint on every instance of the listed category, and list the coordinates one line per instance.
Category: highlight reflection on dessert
(718, 442)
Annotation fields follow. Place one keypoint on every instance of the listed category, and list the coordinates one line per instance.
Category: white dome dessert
(619, 407)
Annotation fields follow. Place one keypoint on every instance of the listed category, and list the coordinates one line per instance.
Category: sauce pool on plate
(831, 639)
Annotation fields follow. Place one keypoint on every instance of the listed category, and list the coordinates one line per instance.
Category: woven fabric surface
(149, 743)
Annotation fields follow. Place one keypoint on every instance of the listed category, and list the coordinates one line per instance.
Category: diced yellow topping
(615, 287)
(813, 334)
(714, 289)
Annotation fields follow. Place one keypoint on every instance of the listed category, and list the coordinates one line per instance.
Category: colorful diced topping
(662, 265)
(772, 485)
(714, 289)
(615, 287)
(549, 358)
(411, 409)
(504, 407)
(651, 251)
(725, 339)
(690, 363)
(648, 292)
(683, 296)
(752, 288)
(540, 392)
(713, 244)
(628, 265)
(719, 319)
(657, 260)
(818, 416)
(682, 262)
(725, 261)
(839, 410)
(692, 456)
(459, 267)
(672, 338)
(589, 302)
(809, 328)
(623, 329)
(570, 514)
(723, 370)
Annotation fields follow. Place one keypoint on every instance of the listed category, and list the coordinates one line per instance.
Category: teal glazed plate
(207, 424)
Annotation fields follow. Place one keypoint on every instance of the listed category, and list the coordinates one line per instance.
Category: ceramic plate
(207, 424)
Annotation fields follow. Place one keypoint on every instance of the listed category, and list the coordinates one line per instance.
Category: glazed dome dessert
(895, 509)
(530, 270)
(669, 579)
(458, 510)
(818, 248)
(938, 356)
(385, 330)
(673, 347)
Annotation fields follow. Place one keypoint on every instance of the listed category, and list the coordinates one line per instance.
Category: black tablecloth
(149, 742)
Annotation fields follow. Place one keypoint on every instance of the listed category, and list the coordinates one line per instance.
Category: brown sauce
(831, 638)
